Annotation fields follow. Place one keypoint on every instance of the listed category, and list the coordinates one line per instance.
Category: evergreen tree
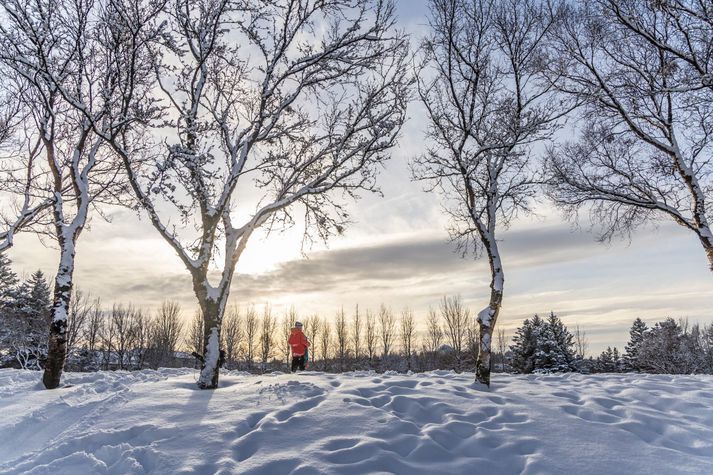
(636, 338)
(543, 345)
(609, 361)
(604, 362)
(22, 302)
(617, 360)
(33, 301)
(28, 321)
(555, 347)
(40, 297)
(524, 345)
(8, 284)
(8, 292)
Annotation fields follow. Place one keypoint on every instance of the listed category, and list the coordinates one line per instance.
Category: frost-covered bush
(671, 347)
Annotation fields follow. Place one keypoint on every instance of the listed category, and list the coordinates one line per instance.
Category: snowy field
(439, 422)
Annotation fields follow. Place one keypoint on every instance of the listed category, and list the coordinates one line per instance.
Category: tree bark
(213, 308)
(698, 198)
(57, 343)
(706, 238)
(489, 315)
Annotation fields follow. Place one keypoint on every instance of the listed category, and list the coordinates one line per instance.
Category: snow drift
(316, 423)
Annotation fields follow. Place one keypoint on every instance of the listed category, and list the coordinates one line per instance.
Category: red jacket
(298, 342)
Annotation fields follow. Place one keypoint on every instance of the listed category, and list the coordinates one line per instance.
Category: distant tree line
(125, 337)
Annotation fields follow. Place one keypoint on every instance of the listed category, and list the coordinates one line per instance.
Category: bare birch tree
(141, 324)
(356, 333)
(408, 329)
(481, 83)
(687, 35)
(502, 347)
(325, 342)
(433, 337)
(233, 335)
(312, 330)
(342, 334)
(291, 104)
(268, 325)
(251, 333)
(72, 58)
(80, 310)
(165, 333)
(371, 335)
(387, 329)
(288, 322)
(644, 151)
(92, 328)
(581, 342)
(107, 339)
(120, 320)
(434, 331)
(194, 339)
(456, 320)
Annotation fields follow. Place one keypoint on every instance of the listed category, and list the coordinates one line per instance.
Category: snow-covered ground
(434, 423)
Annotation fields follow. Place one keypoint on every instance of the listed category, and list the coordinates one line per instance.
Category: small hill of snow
(316, 423)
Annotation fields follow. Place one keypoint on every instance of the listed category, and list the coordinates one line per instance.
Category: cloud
(412, 264)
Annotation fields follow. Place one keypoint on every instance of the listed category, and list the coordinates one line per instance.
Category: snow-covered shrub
(670, 347)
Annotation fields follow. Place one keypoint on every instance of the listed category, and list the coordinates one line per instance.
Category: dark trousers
(298, 362)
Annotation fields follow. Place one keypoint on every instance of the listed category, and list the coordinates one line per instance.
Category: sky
(397, 252)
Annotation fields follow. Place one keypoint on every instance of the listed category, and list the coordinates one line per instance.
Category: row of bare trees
(177, 107)
(126, 337)
(381, 340)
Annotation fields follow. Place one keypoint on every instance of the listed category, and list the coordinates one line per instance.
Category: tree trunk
(213, 309)
(706, 237)
(698, 198)
(489, 315)
(57, 344)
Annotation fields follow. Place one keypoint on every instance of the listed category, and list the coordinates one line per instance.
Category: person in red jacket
(298, 343)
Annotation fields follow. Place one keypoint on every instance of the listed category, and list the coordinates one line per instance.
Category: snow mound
(361, 422)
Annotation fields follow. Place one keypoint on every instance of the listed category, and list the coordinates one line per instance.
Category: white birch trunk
(706, 237)
(213, 302)
(489, 315)
(698, 197)
(213, 310)
(57, 343)
(67, 236)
